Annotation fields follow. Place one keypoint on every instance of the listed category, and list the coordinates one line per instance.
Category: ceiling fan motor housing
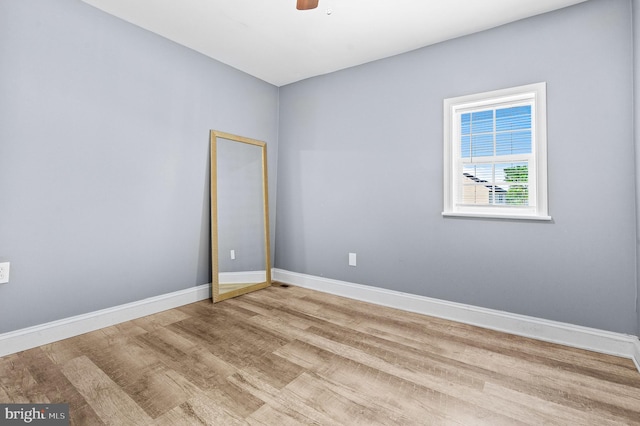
(306, 4)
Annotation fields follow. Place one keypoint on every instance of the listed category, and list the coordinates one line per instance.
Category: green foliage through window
(517, 194)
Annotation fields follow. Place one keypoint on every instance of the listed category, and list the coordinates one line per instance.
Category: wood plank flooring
(292, 356)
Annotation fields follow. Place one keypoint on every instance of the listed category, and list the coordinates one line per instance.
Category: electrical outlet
(232, 254)
(352, 259)
(4, 272)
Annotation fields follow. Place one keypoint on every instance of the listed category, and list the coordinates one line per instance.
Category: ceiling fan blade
(306, 4)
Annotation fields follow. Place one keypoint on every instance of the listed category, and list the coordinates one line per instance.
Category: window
(495, 154)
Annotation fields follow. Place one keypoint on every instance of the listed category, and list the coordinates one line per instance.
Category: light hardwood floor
(289, 356)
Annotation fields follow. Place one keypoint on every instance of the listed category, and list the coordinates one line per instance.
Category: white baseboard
(592, 339)
(242, 277)
(618, 344)
(31, 337)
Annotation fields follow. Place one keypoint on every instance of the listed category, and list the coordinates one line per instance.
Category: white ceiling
(273, 41)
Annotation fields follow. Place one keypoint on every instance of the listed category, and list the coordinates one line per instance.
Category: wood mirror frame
(230, 283)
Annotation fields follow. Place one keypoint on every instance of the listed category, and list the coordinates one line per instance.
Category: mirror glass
(239, 216)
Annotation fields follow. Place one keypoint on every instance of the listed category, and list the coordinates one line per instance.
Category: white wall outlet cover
(352, 259)
(4, 272)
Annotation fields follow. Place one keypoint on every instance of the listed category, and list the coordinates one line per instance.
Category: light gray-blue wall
(360, 170)
(240, 207)
(104, 158)
(636, 120)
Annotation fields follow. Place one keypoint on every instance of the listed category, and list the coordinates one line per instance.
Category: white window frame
(533, 94)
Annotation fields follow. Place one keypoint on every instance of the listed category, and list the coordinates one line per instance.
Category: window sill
(497, 216)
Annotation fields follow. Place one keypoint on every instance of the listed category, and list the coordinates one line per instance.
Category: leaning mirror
(239, 216)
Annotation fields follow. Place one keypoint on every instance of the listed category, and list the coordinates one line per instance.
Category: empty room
(333, 212)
